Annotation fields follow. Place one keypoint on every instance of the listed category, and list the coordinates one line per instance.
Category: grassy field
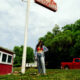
(52, 74)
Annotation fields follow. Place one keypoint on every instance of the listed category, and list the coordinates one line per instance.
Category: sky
(41, 20)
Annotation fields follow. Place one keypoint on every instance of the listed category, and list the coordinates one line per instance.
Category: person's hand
(35, 57)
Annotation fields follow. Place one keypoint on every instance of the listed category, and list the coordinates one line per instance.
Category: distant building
(6, 61)
(32, 64)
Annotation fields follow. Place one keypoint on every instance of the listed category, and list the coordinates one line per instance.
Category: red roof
(6, 50)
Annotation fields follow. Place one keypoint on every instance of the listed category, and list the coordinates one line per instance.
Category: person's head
(40, 44)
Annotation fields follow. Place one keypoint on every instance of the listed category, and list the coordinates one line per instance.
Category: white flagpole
(25, 39)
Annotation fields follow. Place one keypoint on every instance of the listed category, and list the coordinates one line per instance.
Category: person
(40, 49)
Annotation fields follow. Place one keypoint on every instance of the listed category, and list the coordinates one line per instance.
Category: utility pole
(25, 38)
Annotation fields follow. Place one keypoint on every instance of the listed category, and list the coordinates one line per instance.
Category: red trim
(47, 6)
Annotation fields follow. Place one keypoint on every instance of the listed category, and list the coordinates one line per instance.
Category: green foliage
(56, 30)
(52, 74)
(30, 55)
(63, 44)
(18, 59)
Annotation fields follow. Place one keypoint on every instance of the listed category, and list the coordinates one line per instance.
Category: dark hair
(40, 43)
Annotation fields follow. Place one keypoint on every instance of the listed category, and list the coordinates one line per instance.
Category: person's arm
(45, 49)
(35, 54)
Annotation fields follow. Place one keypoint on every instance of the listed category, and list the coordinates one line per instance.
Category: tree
(30, 55)
(63, 44)
(56, 29)
(18, 50)
(18, 58)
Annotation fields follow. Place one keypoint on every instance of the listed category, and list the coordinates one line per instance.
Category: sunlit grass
(52, 74)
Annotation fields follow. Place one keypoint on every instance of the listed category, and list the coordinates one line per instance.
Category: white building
(32, 64)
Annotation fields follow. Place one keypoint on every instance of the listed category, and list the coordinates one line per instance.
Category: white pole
(25, 40)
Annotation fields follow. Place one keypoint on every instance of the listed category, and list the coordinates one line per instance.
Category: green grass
(52, 74)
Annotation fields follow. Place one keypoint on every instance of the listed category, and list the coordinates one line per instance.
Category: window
(77, 60)
(4, 58)
(0, 54)
(9, 59)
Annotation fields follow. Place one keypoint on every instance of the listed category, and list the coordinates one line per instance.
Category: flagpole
(25, 39)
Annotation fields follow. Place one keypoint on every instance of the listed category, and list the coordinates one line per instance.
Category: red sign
(50, 4)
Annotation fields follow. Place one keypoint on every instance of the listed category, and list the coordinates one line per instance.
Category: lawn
(52, 74)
